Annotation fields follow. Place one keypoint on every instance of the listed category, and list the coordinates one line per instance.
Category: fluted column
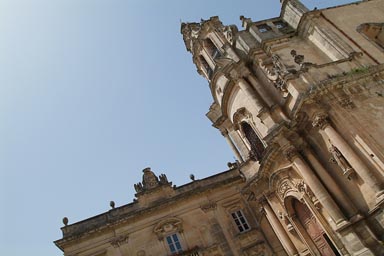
(331, 184)
(278, 228)
(315, 185)
(352, 158)
(232, 145)
(249, 91)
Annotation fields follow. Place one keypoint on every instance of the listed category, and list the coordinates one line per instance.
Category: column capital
(290, 153)
(320, 121)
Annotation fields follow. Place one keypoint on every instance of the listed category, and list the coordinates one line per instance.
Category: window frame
(174, 245)
(240, 221)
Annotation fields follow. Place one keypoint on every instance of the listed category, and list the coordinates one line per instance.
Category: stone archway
(314, 229)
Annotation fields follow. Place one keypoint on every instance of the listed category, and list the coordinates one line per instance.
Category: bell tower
(247, 97)
(292, 96)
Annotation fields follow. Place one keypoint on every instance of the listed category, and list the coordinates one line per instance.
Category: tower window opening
(280, 24)
(208, 70)
(374, 32)
(263, 28)
(257, 146)
(212, 49)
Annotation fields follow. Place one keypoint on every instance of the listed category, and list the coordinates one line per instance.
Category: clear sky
(91, 93)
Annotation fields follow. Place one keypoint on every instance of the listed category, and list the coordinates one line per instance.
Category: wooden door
(314, 230)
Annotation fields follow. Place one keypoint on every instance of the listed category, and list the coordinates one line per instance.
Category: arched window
(257, 146)
(212, 49)
(208, 70)
(374, 32)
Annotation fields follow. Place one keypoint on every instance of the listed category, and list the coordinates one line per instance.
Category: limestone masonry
(300, 101)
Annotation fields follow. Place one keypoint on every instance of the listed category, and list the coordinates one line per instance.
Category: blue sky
(91, 93)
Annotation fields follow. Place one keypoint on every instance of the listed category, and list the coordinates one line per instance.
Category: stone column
(260, 89)
(250, 92)
(278, 228)
(331, 184)
(238, 140)
(232, 145)
(352, 158)
(315, 185)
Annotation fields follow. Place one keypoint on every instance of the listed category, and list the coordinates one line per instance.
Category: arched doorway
(314, 229)
(257, 146)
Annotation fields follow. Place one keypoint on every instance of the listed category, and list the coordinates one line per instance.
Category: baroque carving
(283, 188)
(290, 153)
(229, 32)
(320, 121)
(339, 159)
(299, 59)
(277, 74)
(256, 250)
(167, 226)
(150, 181)
(118, 241)
(208, 206)
(346, 103)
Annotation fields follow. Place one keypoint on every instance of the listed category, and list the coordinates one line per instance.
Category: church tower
(299, 99)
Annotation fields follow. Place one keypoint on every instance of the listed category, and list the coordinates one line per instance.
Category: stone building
(300, 100)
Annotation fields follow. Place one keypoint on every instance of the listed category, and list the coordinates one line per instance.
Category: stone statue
(339, 159)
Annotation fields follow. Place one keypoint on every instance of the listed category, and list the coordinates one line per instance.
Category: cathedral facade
(300, 101)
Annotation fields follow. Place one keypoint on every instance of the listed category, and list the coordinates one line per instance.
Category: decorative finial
(112, 204)
(192, 177)
(65, 221)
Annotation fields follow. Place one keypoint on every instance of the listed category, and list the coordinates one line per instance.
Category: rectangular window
(240, 221)
(280, 24)
(174, 243)
(264, 28)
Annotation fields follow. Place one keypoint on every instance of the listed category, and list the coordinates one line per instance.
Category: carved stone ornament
(118, 241)
(346, 103)
(303, 188)
(283, 188)
(256, 250)
(150, 181)
(167, 226)
(290, 153)
(141, 253)
(277, 73)
(320, 121)
(242, 114)
(299, 59)
(229, 32)
(339, 159)
(208, 206)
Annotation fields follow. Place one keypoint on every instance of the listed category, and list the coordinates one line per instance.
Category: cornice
(122, 215)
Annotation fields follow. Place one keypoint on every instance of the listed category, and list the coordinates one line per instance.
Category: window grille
(174, 243)
(240, 221)
(257, 146)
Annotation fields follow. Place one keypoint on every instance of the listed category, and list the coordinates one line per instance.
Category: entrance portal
(314, 230)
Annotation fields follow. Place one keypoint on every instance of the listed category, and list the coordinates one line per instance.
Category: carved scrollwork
(118, 241)
(208, 206)
(150, 181)
(290, 153)
(346, 103)
(168, 226)
(277, 74)
(283, 188)
(320, 121)
(256, 250)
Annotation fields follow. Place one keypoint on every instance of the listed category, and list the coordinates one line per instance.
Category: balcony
(191, 252)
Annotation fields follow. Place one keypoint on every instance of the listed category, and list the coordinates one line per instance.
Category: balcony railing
(191, 252)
